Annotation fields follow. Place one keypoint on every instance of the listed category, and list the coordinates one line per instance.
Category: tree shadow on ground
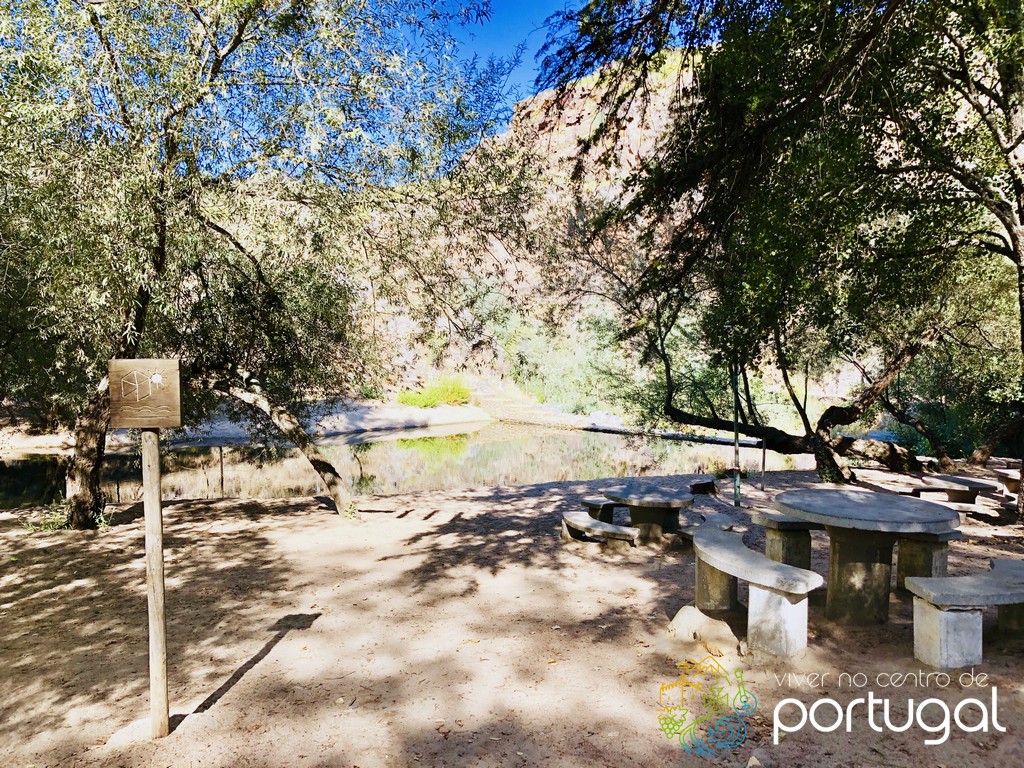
(488, 529)
(73, 632)
(294, 621)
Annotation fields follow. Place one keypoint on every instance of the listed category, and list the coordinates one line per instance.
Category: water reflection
(421, 460)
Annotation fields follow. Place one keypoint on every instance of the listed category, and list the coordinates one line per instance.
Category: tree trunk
(253, 396)
(775, 439)
(86, 469)
(983, 452)
(893, 456)
(829, 464)
(836, 416)
(828, 450)
(981, 455)
(923, 429)
(85, 499)
(1017, 238)
(783, 364)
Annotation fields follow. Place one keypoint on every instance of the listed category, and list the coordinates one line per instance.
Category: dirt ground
(443, 629)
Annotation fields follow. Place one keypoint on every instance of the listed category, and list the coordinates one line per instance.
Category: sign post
(736, 436)
(146, 395)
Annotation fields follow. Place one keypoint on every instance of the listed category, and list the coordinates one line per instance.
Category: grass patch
(54, 517)
(448, 390)
(57, 517)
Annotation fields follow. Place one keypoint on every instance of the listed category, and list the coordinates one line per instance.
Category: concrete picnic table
(958, 488)
(863, 527)
(651, 509)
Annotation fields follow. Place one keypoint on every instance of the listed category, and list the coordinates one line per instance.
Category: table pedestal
(920, 557)
(792, 547)
(965, 496)
(716, 590)
(654, 522)
(859, 576)
(1011, 619)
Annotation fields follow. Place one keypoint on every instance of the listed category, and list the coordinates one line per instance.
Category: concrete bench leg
(789, 547)
(1011, 619)
(946, 639)
(616, 545)
(776, 621)
(916, 557)
(966, 496)
(604, 512)
(716, 590)
(570, 534)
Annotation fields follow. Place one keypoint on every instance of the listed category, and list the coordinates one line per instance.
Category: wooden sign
(145, 394)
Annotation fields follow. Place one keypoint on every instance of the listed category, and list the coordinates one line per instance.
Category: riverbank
(349, 418)
(446, 628)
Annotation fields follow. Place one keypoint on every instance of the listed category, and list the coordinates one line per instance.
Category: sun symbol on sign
(140, 385)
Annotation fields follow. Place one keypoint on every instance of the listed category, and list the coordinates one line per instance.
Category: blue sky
(513, 22)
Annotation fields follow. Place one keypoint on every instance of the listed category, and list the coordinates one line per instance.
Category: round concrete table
(960, 489)
(653, 510)
(862, 527)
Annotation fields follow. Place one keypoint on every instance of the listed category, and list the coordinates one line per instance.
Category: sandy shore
(455, 629)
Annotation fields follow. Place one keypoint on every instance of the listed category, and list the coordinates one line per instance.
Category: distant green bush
(448, 390)
(371, 392)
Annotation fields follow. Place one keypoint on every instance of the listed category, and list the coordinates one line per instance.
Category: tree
(204, 179)
(825, 168)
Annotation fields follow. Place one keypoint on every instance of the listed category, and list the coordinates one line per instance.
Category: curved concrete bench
(714, 519)
(947, 613)
(616, 537)
(717, 520)
(777, 608)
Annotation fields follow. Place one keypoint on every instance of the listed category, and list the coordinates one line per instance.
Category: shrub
(448, 390)
(53, 517)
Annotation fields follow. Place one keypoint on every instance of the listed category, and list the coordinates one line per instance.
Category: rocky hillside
(557, 123)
